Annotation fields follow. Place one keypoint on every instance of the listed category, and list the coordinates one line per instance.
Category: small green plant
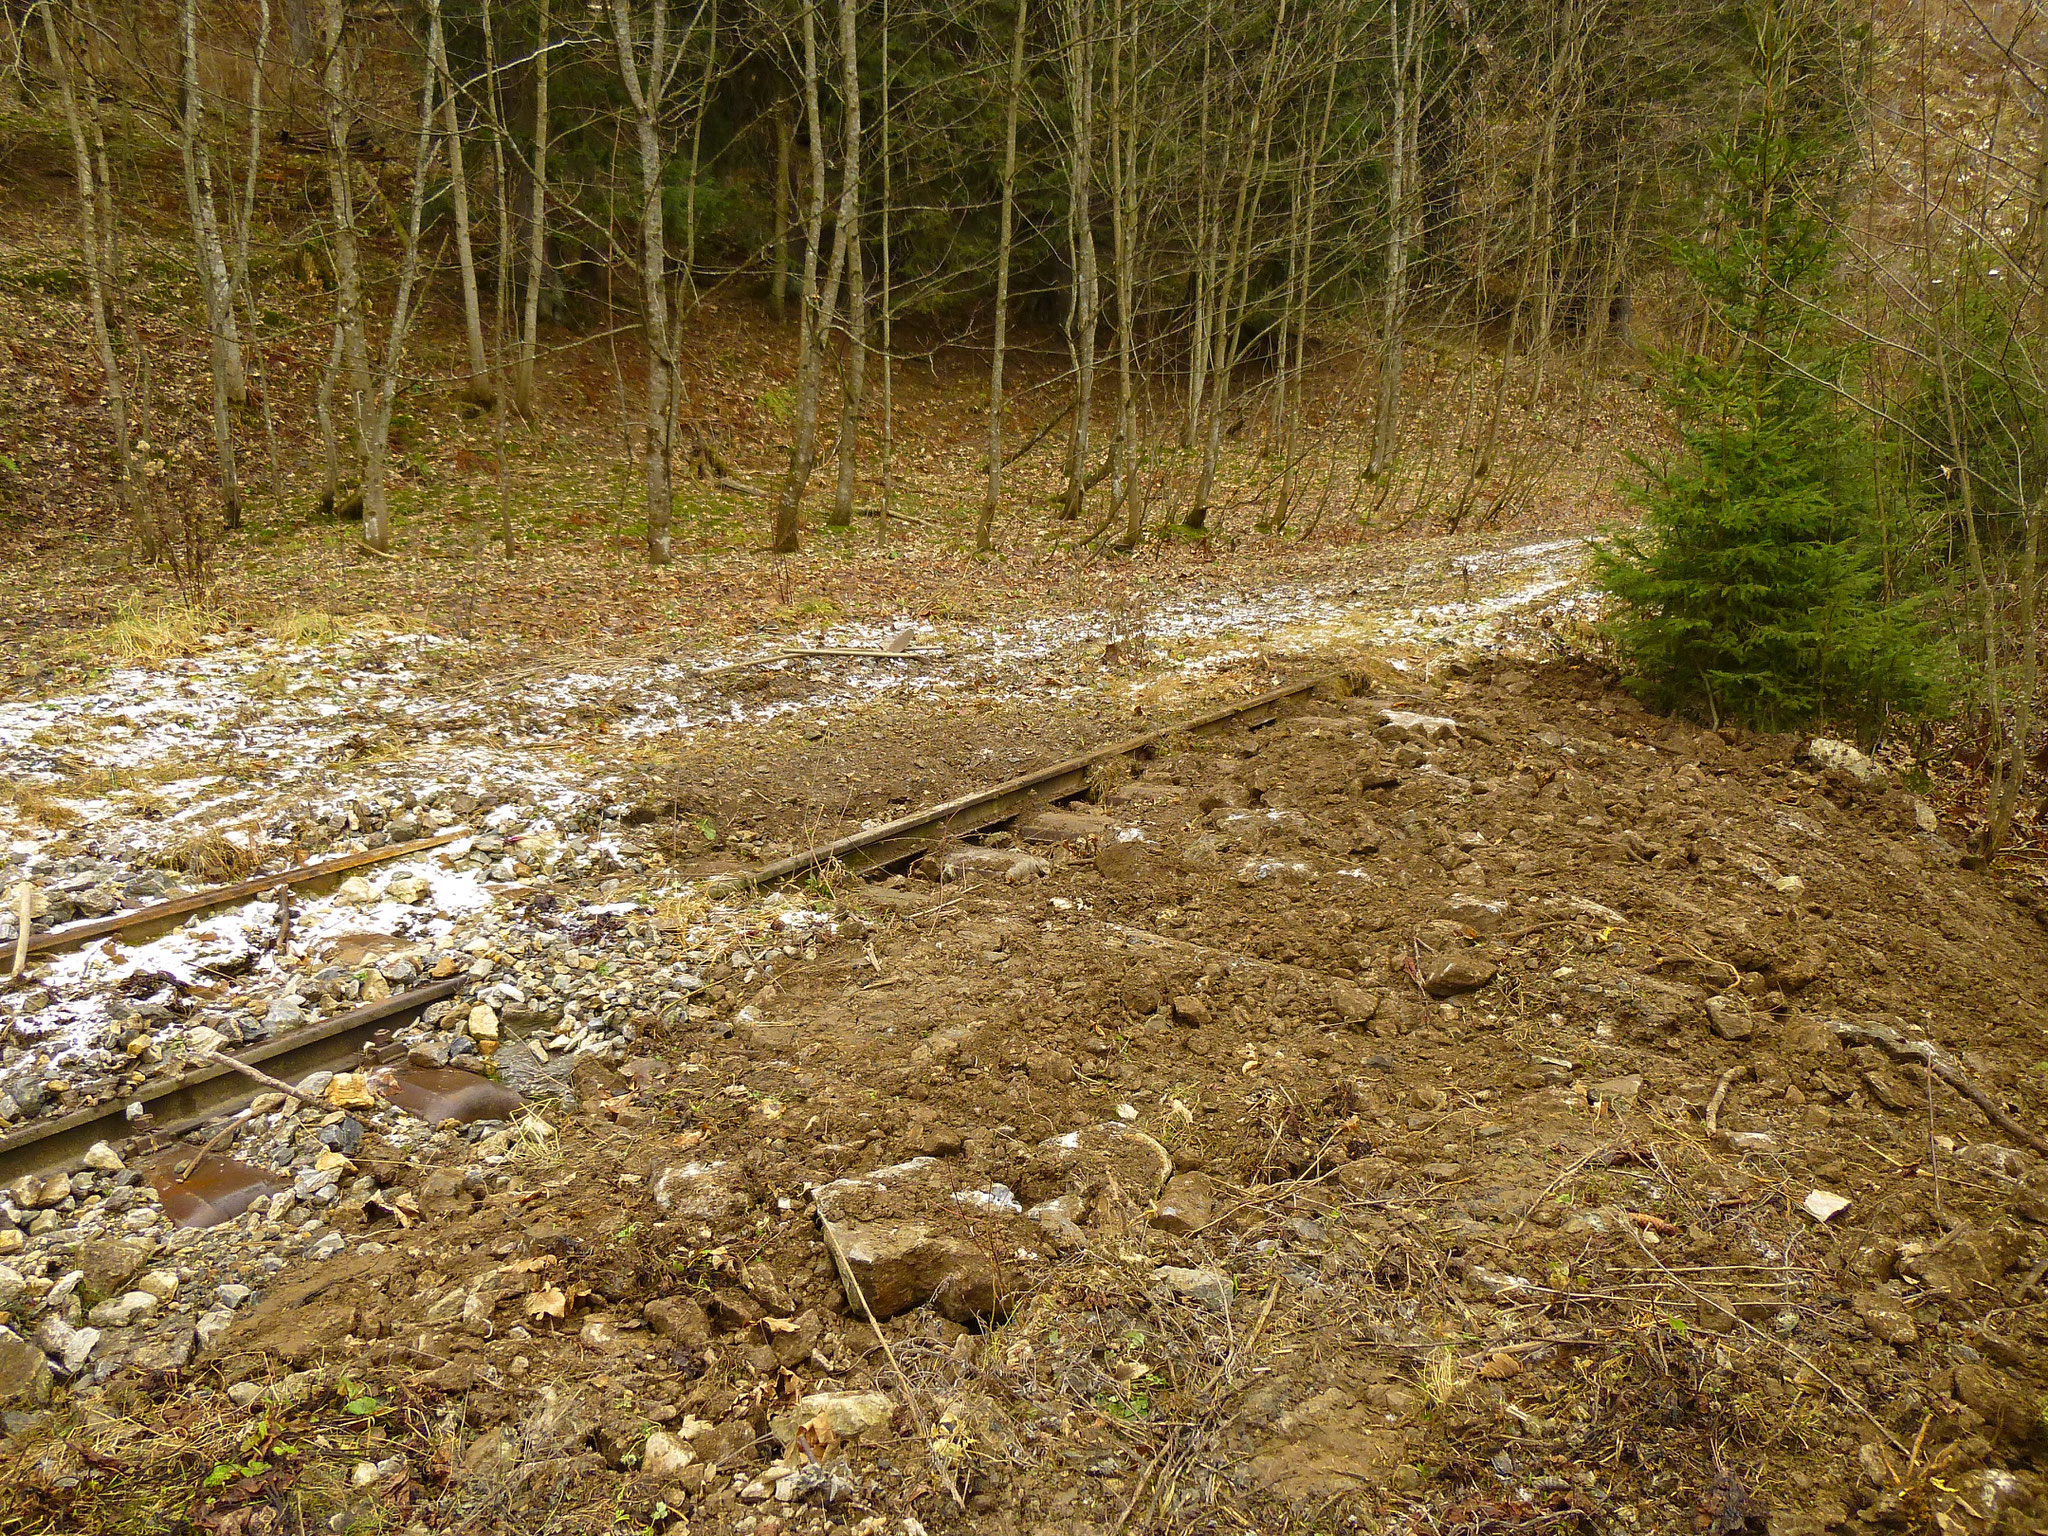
(226, 1472)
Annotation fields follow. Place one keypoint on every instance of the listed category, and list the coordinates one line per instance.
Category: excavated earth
(1468, 1103)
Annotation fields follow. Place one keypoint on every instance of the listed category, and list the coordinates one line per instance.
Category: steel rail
(179, 1102)
(909, 836)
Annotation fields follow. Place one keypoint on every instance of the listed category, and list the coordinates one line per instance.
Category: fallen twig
(1551, 1189)
(284, 917)
(1721, 1094)
(24, 912)
(225, 1133)
(1235, 957)
(1522, 933)
(909, 1392)
(1935, 1061)
(1854, 1402)
(274, 1084)
(220, 896)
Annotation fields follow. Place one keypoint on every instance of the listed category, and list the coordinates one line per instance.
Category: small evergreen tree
(1751, 591)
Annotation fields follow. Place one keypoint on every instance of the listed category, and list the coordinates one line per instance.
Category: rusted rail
(176, 1104)
(909, 836)
(226, 895)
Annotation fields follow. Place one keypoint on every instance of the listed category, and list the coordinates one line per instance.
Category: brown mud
(1456, 1076)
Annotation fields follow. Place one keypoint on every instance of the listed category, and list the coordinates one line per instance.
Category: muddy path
(1467, 1103)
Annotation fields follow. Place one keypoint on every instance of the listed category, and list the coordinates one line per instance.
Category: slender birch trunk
(984, 531)
(93, 254)
(1081, 102)
(888, 299)
(501, 294)
(1386, 424)
(225, 350)
(1206, 196)
(336, 104)
(820, 307)
(244, 209)
(1123, 147)
(854, 382)
(537, 228)
(377, 408)
(855, 376)
(645, 97)
(478, 387)
(1234, 279)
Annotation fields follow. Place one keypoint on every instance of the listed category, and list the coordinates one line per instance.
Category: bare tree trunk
(853, 381)
(217, 270)
(323, 415)
(1081, 99)
(984, 530)
(703, 105)
(1206, 197)
(501, 296)
(1123, 150)
(336, 89)
(93, 255)
(855, 375)
(785, 147)
(1561, 110)
(645, 97)
(1234, 278)
(1400, 190)
(13, 58)
(244, 218)
(888, 297)
(820, 308)
(1305, 294)
(226, 359)
(377, 410)
(537, 228)
(477, 388)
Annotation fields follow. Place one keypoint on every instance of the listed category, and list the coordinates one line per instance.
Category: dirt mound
(1435, 1108)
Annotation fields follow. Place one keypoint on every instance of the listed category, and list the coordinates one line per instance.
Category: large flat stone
(920, 1232)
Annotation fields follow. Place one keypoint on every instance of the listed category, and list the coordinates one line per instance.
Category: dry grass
(211, 856)
(680, 911)
(305, 626)
(34, 803)
(151, 631)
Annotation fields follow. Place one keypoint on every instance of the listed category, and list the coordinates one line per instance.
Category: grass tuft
(152, 631)
(211, 856)
(305, 626)
(34, 803)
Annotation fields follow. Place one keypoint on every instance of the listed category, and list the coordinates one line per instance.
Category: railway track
(178, 1104)
(909, 837)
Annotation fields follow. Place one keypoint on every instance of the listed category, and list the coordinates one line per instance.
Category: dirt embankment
(1426, 1116)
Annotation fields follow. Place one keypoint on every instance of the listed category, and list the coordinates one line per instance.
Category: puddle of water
(217, 1189)
(436, 1094)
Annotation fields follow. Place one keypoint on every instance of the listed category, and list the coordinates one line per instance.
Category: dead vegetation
(211, 856)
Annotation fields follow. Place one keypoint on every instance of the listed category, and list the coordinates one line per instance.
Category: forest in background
(1234, 216)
